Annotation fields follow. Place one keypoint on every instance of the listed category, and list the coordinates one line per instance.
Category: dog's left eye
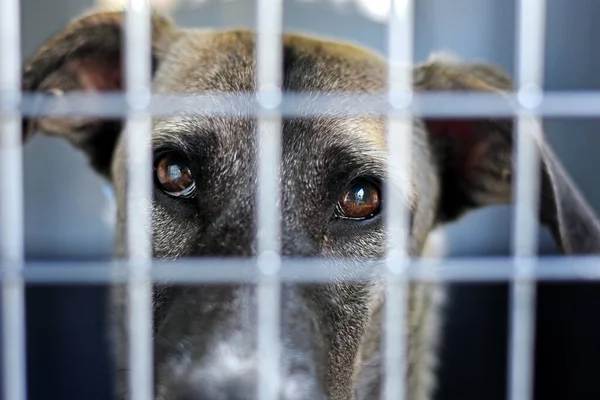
(175, 176)
(361, 200)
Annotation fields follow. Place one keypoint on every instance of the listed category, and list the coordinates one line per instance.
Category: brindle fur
(205, 335)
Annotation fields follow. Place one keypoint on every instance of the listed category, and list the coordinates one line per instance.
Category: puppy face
(333, 177)
(333, 170)
(324, 160)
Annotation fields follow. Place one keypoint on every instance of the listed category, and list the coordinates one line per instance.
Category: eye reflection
(361, 200)
(174, 176)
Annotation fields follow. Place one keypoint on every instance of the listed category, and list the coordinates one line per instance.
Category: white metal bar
(11, 205)
(137, 56)
(530, 64)
(400, 53)
(269, 68)
(312, 270)
(430, 104)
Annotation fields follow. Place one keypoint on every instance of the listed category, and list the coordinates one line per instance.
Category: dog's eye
(361, 200)
(174, 176)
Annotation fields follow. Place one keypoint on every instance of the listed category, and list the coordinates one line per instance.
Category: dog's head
(333, 174)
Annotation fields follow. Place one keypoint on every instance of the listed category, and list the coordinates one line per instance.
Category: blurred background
(70, 211)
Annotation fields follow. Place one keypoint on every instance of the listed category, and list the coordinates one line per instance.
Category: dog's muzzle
(242, 388)
(206, 349)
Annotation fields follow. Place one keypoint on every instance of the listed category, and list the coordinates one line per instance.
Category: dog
(333, 173)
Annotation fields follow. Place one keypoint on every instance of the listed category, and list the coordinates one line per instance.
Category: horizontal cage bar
(430, 104)
(480, 269)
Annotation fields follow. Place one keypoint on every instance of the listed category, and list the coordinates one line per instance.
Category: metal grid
(528, 103)
(530, 61)
(138, 69)
(11, 206)
(269, 80)
(399, 140)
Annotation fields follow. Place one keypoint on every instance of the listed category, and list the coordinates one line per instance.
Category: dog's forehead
(225, 60)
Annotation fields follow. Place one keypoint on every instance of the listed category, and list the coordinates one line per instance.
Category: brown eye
(174, 176)
(361, 200)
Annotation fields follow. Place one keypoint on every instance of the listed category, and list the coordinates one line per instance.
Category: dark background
(69, 210)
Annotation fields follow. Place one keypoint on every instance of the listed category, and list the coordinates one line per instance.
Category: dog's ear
(475, 157)
(86, 56)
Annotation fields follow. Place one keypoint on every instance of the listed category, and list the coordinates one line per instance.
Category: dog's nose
(295, 389)
(229, 392)
(224, 396)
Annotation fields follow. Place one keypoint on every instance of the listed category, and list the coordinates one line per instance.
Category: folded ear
(87, 56)
(475, 157)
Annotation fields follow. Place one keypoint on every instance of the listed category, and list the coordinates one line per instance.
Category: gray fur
(331, 334)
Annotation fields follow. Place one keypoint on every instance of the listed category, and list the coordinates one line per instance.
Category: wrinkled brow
(362, 142)
(189, 132)
(356, 143)
(179, 131)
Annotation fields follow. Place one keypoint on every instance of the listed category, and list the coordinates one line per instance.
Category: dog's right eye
(174, 175)
(361, 200)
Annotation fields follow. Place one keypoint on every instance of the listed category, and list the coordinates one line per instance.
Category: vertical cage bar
(530, 59)
(11, 205)
(137, 58)
(400, 51)
(269, 77)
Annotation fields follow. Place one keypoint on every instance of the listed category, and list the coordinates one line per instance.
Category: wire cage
(529, 104)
